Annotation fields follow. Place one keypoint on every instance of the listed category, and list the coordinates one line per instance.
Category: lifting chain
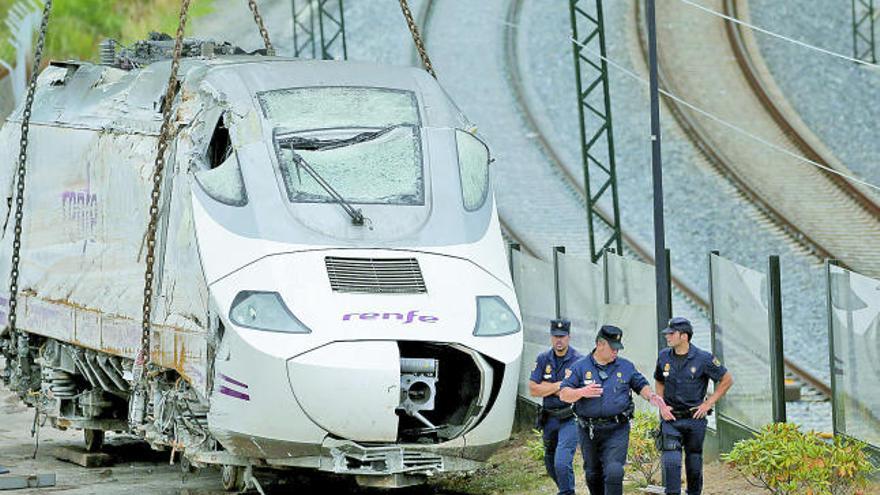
(270, 51)
(165, 134)
(417, 38)
(21, 169)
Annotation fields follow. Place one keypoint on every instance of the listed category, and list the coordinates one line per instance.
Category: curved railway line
(846, 199)
(819, 210)
(637, 247)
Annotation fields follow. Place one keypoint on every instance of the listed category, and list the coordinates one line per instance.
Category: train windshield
(364, 142)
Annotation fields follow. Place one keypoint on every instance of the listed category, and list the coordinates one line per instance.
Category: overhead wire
(725, 123)
(777, 35)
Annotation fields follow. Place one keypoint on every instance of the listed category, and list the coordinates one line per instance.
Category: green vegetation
(643, 456)
(512, 470)
(535, 445)
(78, 26)
(783, 460)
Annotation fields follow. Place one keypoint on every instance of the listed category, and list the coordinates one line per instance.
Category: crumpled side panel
(83, 247)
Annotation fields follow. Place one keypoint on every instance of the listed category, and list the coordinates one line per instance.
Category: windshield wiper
(311, 144)
(357, 218)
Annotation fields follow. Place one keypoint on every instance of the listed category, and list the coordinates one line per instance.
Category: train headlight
(494, 317)
(264, 311)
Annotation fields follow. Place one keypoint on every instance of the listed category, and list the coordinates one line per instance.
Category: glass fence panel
(631, 306)
(630, 281)
(742, 341)
(583, 296)
(535, 292)
(855, 327)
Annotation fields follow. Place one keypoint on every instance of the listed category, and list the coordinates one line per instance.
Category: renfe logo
(410, 317)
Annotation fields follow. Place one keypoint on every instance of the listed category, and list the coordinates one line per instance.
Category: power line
(777, 35)
(730, 125)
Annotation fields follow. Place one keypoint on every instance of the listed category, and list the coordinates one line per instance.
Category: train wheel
(94, 439)
(232, 478)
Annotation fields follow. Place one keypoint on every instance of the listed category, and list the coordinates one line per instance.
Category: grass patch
(510, 471)
(78, 26)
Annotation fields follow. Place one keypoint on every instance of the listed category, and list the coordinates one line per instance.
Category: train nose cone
(350, 389)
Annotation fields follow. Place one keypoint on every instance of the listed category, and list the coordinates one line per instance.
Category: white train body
(390, 348)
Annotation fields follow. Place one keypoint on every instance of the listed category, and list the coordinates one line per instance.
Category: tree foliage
(78, 26)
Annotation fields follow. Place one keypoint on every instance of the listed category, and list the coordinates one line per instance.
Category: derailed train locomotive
(332, 290)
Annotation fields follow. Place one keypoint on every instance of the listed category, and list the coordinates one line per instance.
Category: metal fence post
(777, 368)
(558, 288)
(661, 340)
(835, 411)
(716, 350)
(605, 282)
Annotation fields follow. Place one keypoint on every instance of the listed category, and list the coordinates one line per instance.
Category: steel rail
(639, 248)
(759, 87)
(722, 164)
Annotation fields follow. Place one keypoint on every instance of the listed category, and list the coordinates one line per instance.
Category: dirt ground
(513, 472)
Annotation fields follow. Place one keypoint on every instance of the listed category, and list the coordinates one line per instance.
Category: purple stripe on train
(234, 393)
(233, 381)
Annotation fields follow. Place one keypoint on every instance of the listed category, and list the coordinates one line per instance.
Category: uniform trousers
(604, 457)
(687, 433)
(560, 443)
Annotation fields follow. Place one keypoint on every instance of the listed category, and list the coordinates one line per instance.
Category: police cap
(612, 335)
(560, 328)
(679, 324)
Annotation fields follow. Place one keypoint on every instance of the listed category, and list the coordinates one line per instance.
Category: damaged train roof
(82, 94)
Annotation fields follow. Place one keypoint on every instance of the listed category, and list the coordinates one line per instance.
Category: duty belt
(588, 423)
(564, 412)
(686, 413)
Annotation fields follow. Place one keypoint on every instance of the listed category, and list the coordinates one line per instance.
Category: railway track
(636, 247)
(821, 211)
(721, 161)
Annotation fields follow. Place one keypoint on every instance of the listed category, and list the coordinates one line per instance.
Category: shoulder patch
(716, 361)
(548, 369)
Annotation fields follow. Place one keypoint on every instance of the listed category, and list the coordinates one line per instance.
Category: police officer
(682, 377)
(556, 417)
(600, 386)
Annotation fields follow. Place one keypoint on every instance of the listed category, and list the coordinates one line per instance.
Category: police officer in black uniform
(600, 387)
(556, 417)
(682, 377)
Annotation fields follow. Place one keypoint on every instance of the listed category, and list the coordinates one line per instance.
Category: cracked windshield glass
(384, 170)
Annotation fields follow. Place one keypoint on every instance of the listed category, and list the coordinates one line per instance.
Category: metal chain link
(21, 168)
(263, 32)
(165, 134)
(417, 38)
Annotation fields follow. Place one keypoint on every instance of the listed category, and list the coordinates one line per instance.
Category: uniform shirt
(617, 378)
(686, 379)
(551, 368)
